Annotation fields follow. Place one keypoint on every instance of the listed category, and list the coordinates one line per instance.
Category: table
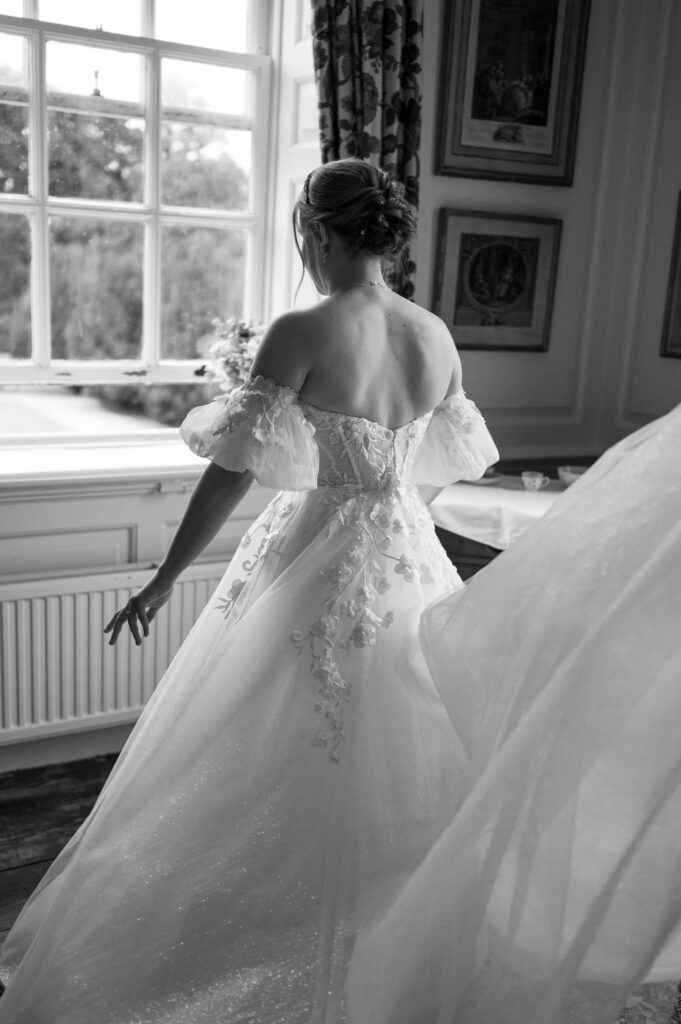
(493, 514)
(474, 522)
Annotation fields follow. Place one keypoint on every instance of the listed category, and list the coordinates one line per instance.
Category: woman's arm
(215, 497)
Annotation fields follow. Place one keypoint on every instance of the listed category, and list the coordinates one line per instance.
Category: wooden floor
(40, 809)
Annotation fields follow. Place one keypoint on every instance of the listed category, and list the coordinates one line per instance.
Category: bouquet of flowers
(230, 350)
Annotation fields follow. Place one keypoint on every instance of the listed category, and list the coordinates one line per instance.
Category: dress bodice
(359, 451)
(289, 444)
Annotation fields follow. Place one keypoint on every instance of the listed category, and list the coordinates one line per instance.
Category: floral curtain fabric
(367, 57)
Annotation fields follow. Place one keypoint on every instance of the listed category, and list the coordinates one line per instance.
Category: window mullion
(148, 18)
(151, 335)
(259, 26)
(256, 239)
(37, 144)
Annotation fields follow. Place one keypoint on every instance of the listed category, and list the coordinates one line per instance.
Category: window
(133, 184)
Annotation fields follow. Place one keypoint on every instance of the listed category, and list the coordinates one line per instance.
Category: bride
(296, 762)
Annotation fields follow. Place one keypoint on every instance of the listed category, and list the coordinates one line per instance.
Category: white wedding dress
(295, 764)
(555, 890)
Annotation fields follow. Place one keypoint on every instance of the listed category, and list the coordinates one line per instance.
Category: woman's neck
(356, 273)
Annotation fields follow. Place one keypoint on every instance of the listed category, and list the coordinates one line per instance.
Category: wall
(66, 517)
(602, 376)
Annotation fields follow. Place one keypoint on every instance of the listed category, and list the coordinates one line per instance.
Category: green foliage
(188, 175)
(13, 149)
(96, 157)
(96, 263)
(164, 403)
(15, 275)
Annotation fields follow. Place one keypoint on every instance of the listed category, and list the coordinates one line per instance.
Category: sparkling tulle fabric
(294, 765)
(556, 888)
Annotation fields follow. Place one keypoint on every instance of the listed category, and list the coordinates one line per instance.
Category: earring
(323, 250)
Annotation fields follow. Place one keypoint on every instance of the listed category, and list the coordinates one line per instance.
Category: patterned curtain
(367, 57)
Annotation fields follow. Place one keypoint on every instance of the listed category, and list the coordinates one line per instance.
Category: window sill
(28, 467)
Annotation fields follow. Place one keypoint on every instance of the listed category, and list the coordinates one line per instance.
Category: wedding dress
(294, 765)
(555, 890)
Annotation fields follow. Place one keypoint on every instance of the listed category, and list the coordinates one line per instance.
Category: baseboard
(74, 746)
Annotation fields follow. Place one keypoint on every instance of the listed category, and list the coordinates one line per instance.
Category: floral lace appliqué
(382, 524)
(263, 539)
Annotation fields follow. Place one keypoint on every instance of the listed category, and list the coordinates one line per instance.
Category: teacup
(533, 481)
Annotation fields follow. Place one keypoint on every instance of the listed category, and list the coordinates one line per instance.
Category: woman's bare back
(376, 355)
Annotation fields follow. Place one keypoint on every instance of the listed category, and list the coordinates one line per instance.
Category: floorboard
(40, 809)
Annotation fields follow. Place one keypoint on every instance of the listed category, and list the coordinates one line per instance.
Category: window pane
(13, 148)
(96, 288)
(94, 80)
(109, 15)
(221, 25)
(13, 114)
(187, 85)
(96, 157)
(13, 7)
(202, 277)
(15, 287)
(205, 166)
(13, 63)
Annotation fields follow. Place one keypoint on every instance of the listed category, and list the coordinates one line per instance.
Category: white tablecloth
(491, 514)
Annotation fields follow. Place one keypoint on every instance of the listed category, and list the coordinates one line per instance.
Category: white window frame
(38, 206)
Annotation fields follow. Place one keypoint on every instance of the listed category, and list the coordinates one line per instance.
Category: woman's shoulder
(285, 352)
(432, 324)
(432, 334)
(438, 350)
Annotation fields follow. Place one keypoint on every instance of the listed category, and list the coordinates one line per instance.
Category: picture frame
(495, 277)
(511, 75)
(670, 344)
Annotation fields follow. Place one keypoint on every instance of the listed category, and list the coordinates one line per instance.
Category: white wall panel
(602, 375)
(63, 549)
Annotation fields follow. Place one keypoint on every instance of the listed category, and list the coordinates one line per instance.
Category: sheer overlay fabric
(556, 887)
(294, 765)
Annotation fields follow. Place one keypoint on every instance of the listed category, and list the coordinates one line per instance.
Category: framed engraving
(495, 277)
(511, 76)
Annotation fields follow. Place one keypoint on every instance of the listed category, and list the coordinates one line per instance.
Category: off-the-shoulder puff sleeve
(456, 446)
(257, 426)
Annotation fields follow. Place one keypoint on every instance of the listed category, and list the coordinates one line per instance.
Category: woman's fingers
(123, 620)
(137, 612)
(116, 625)
(131, 616)
(126, 615)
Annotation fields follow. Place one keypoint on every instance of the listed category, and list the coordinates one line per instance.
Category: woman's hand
(140, 610)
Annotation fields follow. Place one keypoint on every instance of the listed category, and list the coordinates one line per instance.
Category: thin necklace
(361, 284)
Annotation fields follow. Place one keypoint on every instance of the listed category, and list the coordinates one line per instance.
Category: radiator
(59, 674)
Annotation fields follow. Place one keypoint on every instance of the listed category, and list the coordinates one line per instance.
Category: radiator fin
(57, 671)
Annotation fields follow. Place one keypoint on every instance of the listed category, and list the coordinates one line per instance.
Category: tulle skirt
(555, 890)
(290, 772)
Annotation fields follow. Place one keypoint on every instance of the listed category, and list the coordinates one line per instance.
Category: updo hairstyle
(363, 204)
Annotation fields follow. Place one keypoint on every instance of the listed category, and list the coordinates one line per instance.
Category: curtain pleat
(367, 57)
